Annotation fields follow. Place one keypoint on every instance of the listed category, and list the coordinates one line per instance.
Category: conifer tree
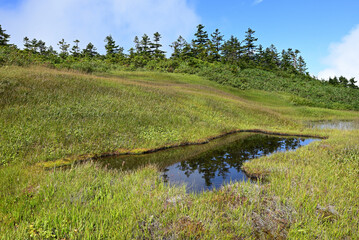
(352, 83)
(27, 43)
(260, 55)
(51, 51)
(111, 47)
(274, 55)
(34, 45)
(270, 58)
(137, 45)
(4, 38)
(90, 51)
(216, 45)
(145, 46)
(64, 47)
(187, 51)
(132, 53)
(42, 47)
(178, 47)
(155, 47)
(200, 43)
(286, 61)
(249, 43)
(302, 66)
(75, 50)
(343, 81)
(334, 81)
(231, 50)
(293, 55)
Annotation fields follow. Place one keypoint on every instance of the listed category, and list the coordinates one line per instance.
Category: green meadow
(50, 118)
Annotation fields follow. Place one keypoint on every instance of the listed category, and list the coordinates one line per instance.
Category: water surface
(341, 125)
(208, 166)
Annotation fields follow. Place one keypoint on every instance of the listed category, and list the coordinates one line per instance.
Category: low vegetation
(48, 114)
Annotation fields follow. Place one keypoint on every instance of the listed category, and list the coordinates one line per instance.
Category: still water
(341, 125)
(208, 166)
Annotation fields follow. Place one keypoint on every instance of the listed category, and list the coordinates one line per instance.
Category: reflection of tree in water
(219, 161)
(165, 176)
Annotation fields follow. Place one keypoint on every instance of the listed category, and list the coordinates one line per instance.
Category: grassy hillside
(46, 115)
(243, 74)
(305, 90)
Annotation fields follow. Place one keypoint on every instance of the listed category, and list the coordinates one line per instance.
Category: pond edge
(63, 162)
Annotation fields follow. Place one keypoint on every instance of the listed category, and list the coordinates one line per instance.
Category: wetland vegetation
(54, 113)
(47, 123)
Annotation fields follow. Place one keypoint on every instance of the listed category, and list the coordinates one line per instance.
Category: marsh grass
(91, 202)
(46, 114)
(321, 182)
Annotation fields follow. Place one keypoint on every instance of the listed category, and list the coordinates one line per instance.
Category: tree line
(343, 81)
(211, 48)
(204, 47)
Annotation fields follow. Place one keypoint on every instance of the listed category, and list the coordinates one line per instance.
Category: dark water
(208, 166)
(342, 125)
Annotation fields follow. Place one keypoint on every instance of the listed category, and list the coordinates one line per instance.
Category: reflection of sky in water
(195, 181)
(208, 166)
(206, 172)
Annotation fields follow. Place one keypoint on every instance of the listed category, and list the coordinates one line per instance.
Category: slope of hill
(47, 115)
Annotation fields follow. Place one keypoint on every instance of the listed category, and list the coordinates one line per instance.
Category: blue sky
(326, 32)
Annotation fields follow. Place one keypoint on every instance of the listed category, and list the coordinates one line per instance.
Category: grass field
(47, 115)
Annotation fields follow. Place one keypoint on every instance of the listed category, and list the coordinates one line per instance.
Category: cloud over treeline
(343, 59)
(93, 20)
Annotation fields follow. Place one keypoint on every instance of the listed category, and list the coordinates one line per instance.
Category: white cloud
(93, 20)
(343, 59)
(257, 2)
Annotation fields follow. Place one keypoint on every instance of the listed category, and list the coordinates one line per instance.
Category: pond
(208, 166)
(341, 125)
